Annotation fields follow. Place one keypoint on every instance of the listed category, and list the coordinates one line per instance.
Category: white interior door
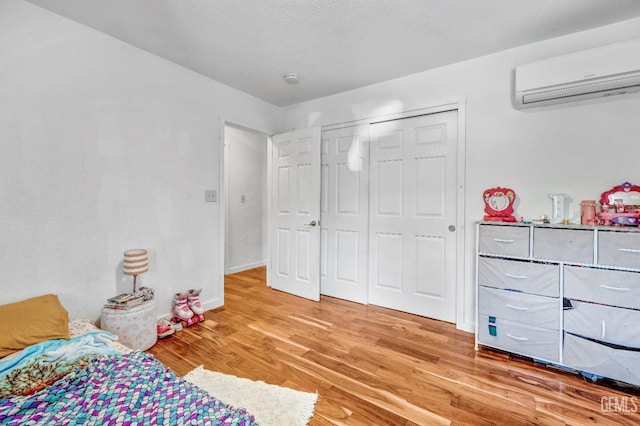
(344, 214)
(413, 215)
(295, 213)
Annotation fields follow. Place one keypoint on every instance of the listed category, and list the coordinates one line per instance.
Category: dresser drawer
(563, 245)
(504, 240)
(535, 342)
(620, 249)
(608, 287)
(606, 323)
(595, 358)
(530, 309)
(529, 277)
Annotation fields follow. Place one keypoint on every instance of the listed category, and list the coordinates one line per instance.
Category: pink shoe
(165, 328)
(180, 308)
(194, 302)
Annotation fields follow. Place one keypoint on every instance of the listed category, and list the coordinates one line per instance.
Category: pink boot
(194, 302)
(180, 308)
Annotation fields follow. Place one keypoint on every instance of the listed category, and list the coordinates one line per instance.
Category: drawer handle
(522, 339)
(626, 250)
(500, 240)
(518, 277)
(608, 287)
(602, 329)
(518, 308)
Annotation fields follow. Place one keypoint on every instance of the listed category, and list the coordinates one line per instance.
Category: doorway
(245, 171)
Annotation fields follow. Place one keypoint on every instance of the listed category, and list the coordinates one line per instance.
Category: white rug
(269, 404)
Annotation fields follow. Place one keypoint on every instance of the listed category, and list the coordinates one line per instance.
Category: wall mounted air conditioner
(603, 71)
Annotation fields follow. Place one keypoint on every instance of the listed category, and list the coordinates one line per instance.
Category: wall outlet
(242, 199)
(210, 195)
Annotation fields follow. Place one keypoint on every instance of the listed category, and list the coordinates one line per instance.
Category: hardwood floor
(375, 366)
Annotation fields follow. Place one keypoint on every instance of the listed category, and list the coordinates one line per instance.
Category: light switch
(210, 195)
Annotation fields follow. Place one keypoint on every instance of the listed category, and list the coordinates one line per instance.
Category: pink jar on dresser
(588, 212)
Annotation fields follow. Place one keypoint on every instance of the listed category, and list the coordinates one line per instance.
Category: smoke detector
(291, 78)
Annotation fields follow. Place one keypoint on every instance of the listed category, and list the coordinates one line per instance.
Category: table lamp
(135, 262)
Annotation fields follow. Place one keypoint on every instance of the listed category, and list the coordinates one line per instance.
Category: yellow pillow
(32, 321)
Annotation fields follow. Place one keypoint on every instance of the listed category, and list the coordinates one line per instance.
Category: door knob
(452, 228)
(312, 223)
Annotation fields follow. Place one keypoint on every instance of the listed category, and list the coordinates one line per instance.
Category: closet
(388, 220)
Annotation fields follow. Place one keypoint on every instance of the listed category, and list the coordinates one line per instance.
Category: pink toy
(620, 206)
(499, 204)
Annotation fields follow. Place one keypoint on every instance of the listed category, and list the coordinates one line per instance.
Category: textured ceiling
(333, 45)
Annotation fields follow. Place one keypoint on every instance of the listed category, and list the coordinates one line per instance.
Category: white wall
(104, 148)
(245, 175)
(581, 149)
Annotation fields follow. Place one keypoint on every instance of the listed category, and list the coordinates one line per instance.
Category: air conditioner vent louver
(596, 88)
(603, 71)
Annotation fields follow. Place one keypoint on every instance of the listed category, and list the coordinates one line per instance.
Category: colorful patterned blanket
(39, 365)
(128, 389)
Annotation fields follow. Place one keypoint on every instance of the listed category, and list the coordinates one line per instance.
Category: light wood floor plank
(375, 366)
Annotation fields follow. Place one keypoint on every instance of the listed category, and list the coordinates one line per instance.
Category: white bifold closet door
(344, 213)
(387, 210)
(412, 241)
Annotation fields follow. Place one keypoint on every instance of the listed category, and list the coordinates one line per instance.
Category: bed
(56, 371)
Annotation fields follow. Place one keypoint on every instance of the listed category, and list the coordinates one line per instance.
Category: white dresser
(525, 272)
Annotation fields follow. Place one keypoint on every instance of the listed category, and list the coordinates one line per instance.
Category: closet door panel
(344, 213)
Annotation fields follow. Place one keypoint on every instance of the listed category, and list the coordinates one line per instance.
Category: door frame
(226, 185)
(456, 103)
(222, 189)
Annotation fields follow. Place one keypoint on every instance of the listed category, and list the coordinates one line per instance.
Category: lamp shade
(135, 262)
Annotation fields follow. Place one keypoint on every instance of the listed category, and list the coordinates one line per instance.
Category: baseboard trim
(234, 269)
